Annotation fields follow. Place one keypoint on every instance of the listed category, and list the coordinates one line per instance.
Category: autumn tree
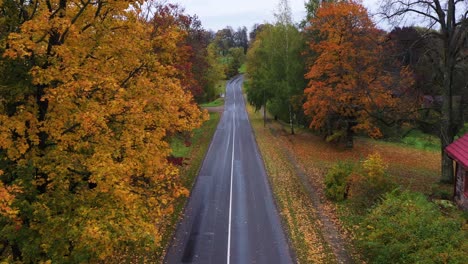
(83, 143)
(192, 49)
(450, 20)
(202, 65)
(348, 88)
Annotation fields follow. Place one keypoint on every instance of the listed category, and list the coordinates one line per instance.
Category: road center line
(232, 174)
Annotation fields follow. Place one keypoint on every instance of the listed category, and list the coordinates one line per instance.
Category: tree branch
(132, 73)
(70, 129)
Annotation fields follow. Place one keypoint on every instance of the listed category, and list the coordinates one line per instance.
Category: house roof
(458, 150)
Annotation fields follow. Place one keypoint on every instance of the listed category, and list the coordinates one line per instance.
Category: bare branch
(428, 9)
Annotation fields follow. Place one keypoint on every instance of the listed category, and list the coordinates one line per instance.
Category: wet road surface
(230, 216)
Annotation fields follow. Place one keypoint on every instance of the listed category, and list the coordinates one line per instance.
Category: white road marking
(232, 174)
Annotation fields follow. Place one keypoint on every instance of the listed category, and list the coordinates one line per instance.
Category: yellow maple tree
(86, 144)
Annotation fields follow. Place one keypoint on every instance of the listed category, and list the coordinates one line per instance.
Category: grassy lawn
(419, 140)
(179, 147)
(410, 167)
(215, 103)
(243, 68)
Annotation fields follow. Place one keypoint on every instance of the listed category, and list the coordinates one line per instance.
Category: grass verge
(200, 143)
(296, 209)
(419, 140)
(215, 103)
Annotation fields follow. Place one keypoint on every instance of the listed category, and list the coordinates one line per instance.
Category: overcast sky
(217, 14)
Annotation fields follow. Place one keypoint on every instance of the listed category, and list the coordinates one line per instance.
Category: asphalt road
(231, 216)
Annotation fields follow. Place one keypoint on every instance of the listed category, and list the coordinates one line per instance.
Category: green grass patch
(179, 147)
(243, 68)
(200, 143)
(423, 141)
(221, 87)
(215, 103)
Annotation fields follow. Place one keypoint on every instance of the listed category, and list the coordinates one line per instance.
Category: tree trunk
(291, 119)
(446, 138)
(329, 127)
(447, 127)
(17, 255)
(349, 134)
(264, 109)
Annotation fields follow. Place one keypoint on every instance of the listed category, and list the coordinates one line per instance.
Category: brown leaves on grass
(409, 167)
(296, 208)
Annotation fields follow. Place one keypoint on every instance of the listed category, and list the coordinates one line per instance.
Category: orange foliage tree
(190, 51)
(83, 147)
(349, 88)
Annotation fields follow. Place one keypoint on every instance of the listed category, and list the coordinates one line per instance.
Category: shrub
(336, 181)
(407, 228)
(421, 140)
(368, 185)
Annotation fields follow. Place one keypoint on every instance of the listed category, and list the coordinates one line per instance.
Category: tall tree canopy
(83, 140)
(259, 75)
(214, 73)
(275, 67)
(348, 84)
(192, 63)
(450, 19)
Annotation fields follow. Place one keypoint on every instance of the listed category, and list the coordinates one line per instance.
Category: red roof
(458, 150)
